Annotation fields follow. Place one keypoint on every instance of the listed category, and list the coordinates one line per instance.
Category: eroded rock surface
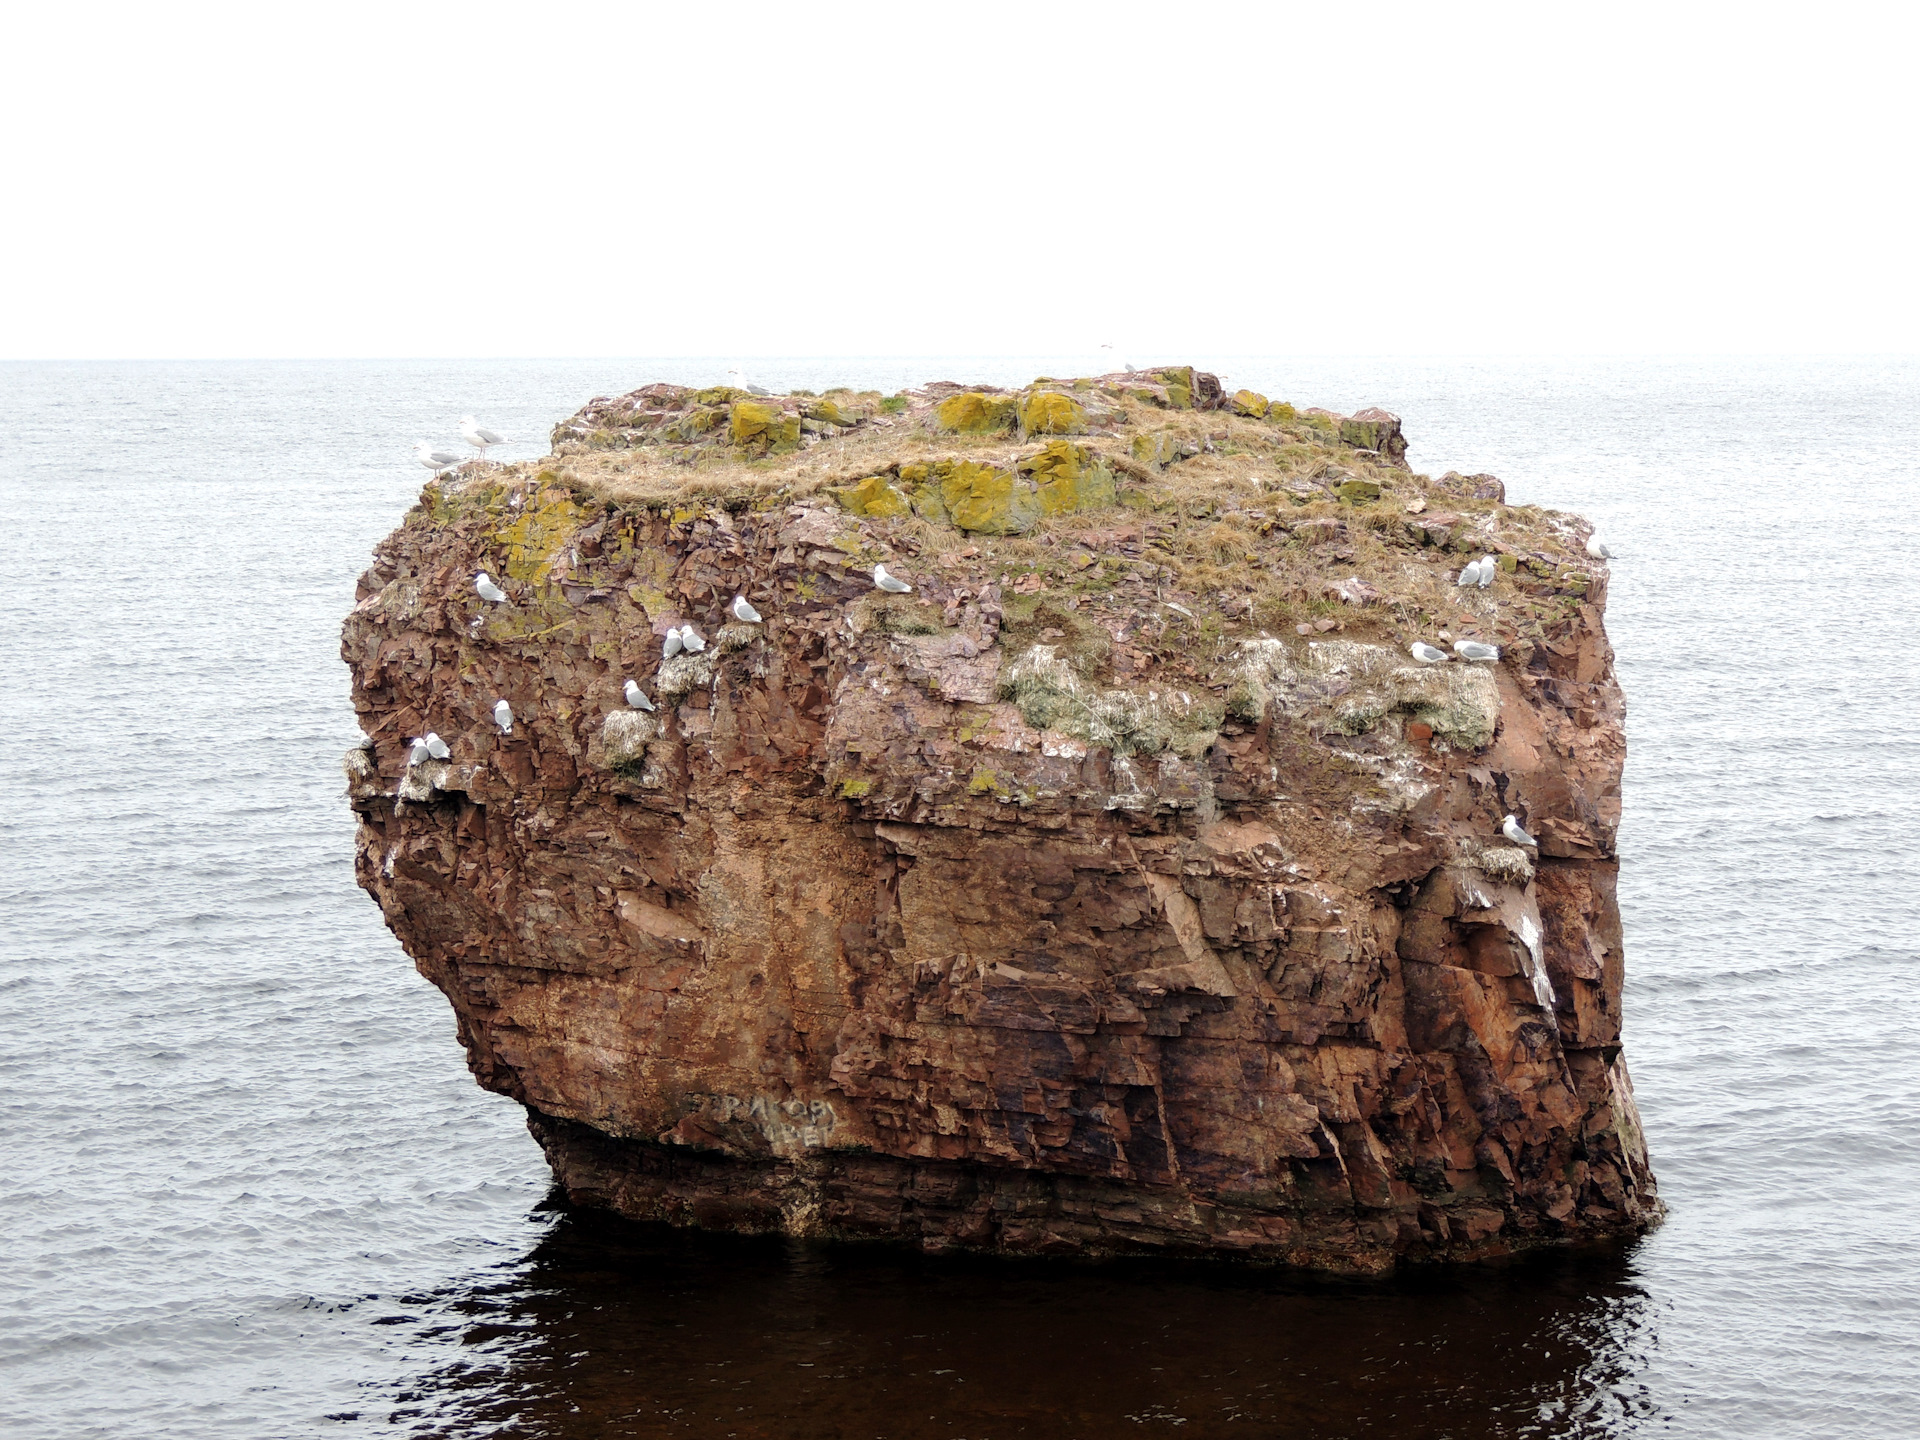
(1125, 886)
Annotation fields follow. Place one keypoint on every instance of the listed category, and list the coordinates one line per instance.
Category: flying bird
(637, 698)
(503, 716)
(887, 583)
(478, 436)
(1510, 828)
(483, 582)
(436, 747)
(690, 638)
(744, 612)
(419, 754)
(1597, 548)
(436, 460)
(1427, 654)
(1475, 650)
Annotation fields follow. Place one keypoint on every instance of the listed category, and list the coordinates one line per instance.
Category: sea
(248, 1189)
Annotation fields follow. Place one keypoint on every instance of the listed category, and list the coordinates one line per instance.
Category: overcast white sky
(819, 179)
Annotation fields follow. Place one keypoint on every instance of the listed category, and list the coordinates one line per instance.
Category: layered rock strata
(1124, 886)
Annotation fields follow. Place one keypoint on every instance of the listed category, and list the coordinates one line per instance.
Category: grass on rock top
(1246, 534)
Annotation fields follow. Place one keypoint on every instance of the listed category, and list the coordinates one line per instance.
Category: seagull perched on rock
(886, 582)
(1475, 650)
(483, 583)
(740, 379)
(672, 645)
(1487, 571)
(744, 612)
(1427, 654)
(436, 747)
(436, 460)
(1470, 574)
(419, 754)
(1510, 828)
(1597, 548)
(637, 698)
(690, 638)
(478, 436)
(503, 716)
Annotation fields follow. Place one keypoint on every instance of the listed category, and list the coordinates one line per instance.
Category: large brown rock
(1016, 912)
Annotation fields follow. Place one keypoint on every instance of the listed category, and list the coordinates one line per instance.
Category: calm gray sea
(247, 1188)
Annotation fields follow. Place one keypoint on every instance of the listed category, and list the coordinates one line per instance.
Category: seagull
(744, 612)
(478, 436)
(503, 716)
(690, 638)
(887, 583)
(740, 381)
(673, 644)
(436, 460)
(1427, 654)
(1475, 650)
(1597, 548)
(1470, 575)
(1487, 570)
(1510, 828)
(483, 582)
(436, 747)
(419, 755)
(637, 698)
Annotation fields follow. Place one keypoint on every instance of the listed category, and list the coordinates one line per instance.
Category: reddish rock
(889, 922)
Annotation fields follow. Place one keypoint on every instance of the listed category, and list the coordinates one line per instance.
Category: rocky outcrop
(1124, 886)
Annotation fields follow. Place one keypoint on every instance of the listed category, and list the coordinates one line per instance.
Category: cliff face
(1126, 885)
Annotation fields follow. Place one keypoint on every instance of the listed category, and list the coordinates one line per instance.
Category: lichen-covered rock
(984, 499)
(1125, 885)
(1248, 402)
(765, 429)
(1358, 492)
(1375, 430)
(1069, 477)
(1048, 412)
(874, 496)
(974, 413)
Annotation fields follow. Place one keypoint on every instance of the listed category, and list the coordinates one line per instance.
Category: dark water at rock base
(618, 1328)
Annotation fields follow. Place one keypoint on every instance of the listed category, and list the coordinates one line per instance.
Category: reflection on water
(614, 1328)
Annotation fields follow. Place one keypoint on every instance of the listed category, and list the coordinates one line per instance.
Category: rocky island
(1124, 885)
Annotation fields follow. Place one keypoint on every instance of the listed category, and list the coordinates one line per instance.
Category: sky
(198, 180)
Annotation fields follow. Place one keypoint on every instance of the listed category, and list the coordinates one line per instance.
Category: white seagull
(1510, 828)
(690, 638)
(1487, 571)
(740, 381)
(744, 612)
(503, 716)
(887, 583)
(672, 645)
(1427, 654)
(637, 698)
(1475, 650)
(483, 583)
(436, 747)
(419, 755)
(1597, 548)
(478, 436)
(1470, 574)
(436, 460)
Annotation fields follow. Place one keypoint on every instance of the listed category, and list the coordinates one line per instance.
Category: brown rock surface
(1073, 902)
